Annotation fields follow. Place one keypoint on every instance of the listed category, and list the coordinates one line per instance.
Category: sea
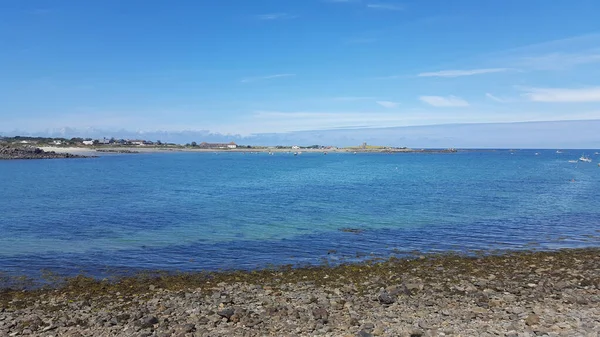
(185, 212)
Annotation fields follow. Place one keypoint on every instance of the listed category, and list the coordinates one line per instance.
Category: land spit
(30, 152)
(514, 294)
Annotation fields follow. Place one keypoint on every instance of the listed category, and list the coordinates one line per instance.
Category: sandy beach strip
(73, 150)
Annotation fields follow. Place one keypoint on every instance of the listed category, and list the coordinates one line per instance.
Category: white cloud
(495, 98)
(388, 104)
(383, 6)
(458, 73)
(275, 16)
(441, 101)
(254, 79)
(562, 95)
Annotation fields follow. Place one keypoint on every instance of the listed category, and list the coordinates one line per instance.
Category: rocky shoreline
(29, 152)
(516, 294)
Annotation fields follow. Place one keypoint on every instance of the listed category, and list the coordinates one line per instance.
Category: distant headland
(62, 146)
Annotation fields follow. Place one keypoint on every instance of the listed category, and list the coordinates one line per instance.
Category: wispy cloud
(388, 104)
(444, 101)
(495, 98)
(261, 78)
(276, 16)
(562, 95)
(557, 61)
(459, 73)
(385, 6)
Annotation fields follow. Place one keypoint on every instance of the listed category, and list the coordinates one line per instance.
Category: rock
(185, 328)
(226, 313)
(148, 322)
(363, 333)
(321, 314)
(368, 327)
(532, 319)
(385, 298)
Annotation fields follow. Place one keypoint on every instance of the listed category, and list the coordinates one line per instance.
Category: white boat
(596, 153)
(585, 159)
(537, 153)
(559, 151)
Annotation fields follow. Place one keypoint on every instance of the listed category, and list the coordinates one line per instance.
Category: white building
(88, 142)
(295, 147)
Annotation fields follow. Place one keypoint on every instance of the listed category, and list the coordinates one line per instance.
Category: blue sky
(263, 66)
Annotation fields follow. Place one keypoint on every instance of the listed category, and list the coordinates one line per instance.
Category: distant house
(137, 142)
(104, 141)
(205, 145)
(88, 142)
(295, 147)
(56, 142)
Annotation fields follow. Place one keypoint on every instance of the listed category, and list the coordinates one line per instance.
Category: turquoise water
(206, 211)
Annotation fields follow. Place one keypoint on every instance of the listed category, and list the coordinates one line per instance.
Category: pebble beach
(513, 294)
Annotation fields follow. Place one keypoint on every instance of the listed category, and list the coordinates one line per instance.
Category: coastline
(148, 149)
(32, 152)
(515, 294)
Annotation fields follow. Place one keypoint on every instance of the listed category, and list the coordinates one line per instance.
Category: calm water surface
(206, 211)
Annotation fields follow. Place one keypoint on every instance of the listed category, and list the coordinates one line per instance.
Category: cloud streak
(275, 16)
(562, 95)
(262, 78)
(388, 104)
(444, 101)
(495, 98)
(459, 73)
(557, 61)
(385, 6)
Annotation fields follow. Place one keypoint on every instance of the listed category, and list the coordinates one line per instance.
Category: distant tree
(158, 142)
(194, 144)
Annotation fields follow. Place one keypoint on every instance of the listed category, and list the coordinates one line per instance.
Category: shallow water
(206, 211)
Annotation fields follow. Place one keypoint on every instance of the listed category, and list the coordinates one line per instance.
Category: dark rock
(185, 328)
(226, 313)
(385, 298)
(148, 322)
(321, 314)
(351, 230)
(363, 333)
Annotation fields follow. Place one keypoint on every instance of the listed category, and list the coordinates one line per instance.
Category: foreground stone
(29, 152)
(525, 294)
